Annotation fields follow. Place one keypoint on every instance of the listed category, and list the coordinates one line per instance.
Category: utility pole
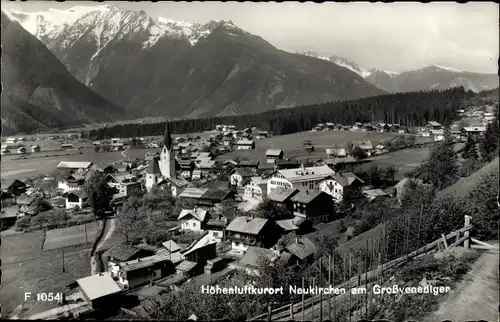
(303, 311)
(63, 261)
(321, 292)
(329, 285)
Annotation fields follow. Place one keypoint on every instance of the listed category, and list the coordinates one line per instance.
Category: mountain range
(423, 79)
(160, 67)
(38, 91)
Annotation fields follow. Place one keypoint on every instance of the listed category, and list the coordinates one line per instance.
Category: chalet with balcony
(313, 205)
(122, 253)
(193, 219)
(256, 188)
(142, 271)
(338, 184)
(71, 182)
(217, 224)
(282, 197)
(301, 250)
(245, 145)
(246, 231)
(300, 178)
(239, 176)
(273, 155)
(433, 126)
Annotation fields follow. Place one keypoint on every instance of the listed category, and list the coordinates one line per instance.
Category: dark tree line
(408, 109)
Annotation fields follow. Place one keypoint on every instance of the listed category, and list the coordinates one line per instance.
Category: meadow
(26, 268)
(71, 236)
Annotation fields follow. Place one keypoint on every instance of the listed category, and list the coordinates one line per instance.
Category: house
(66, 146)
(314, 206)
(246, 231)
(145, 270)
(366, 146)
(295, 225)
(357, 126)
(251, 262)
(262, 135)
(425, 134)
(336, 152)
(21, 150)
(472, 130)
(5, 151)
(122, 253)
(338, 184)
(186, 168)
(403, 130)
(438, 138)
(227, 141)
(74, 165)
(76, 198)
(8, 199)
(129, 188)
(300, 178)
(245, 145)
(238, 176)
(175, 185)
(301, 250)
(8, 216)
(273, 155)
(213, 198)
(171, 246)
(217, 224)
(197, 255)
(35, 148)
(193, 193)
(282, 197)
(71, 182)
(14, 186)
(367, 127)
(433, 126)
(11, 140)
(249, 164)
(287, 164)
(329, 126)
(196, 175)
(383, 127)
(193, 219)
(256, 188)
(379, 149)
(489, 116)
(100, 291)
(187, 269)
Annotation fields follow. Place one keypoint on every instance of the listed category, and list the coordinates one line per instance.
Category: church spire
(167, 138)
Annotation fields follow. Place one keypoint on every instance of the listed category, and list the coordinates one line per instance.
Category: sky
(394, 37)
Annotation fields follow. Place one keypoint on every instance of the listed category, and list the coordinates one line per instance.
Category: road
(476, 297)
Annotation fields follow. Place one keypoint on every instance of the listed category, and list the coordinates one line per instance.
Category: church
(162, 170)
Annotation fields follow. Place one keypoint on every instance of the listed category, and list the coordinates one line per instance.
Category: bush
(22, 223)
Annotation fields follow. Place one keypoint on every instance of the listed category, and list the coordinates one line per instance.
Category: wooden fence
(376, 274)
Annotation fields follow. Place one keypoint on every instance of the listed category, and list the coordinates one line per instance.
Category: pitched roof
(79, 193)
(122, 252)
(171, 246)
(474, 129)
(193, 193)
(247, 225)
(261, 182)
(186, 266)
(99, 285)
(245, 142)
(204, 240)
(287, 224)
(434, 123)
(74, 165)
(373, 193)
(302, 248)
(281, 194)
(244, 172)
(149, 261)
(254, 254)
(306, 196)
(274, 153)
(197, 213)
(346, 179)
(306, 174)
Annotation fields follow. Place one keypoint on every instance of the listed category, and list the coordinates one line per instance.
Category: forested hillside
(409, 109)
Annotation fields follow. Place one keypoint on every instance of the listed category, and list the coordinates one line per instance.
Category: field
(292, 144)
(71, 236)
(26, 268)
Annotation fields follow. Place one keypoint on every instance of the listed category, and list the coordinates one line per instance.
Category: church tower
(167, 155)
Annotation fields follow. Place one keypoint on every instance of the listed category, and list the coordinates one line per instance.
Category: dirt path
(476, 297)
(96, 260)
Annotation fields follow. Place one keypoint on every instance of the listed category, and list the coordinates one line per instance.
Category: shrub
(22, 223)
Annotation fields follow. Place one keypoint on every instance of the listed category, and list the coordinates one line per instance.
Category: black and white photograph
(250, 161)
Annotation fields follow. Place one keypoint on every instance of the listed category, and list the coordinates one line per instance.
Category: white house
(256, 188)
(11, 140)
(193, 219)
(71, 183)
(438, 138)
(237, 177)
(74, 165)
(273, 155)
(245, 144)
(300, 178)
(337, 184)
(196, 175)
(76, 199)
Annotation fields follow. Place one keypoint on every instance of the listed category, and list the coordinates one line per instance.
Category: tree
(270, 210)
(489, 143)
(96, 148)
(441, 168)
(374, 176)
(99, 195)
(358, 153)
(131, 221)
(390, 172)
(470, 150)
(133, 142)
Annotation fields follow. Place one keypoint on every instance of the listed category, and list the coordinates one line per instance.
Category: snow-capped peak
(450, 69)
(391, 73)
(344, 62)
(310, 53)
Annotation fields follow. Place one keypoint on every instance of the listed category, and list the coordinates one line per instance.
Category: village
(240, 209)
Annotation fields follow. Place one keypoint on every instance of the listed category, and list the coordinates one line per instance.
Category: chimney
(296, 240)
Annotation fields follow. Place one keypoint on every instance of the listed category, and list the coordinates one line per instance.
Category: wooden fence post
(329, 285)
(303, 310)
(467, 240)
(334, 299)
(312, 300)
(444, 241)
(321, 292)
(349, 286)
